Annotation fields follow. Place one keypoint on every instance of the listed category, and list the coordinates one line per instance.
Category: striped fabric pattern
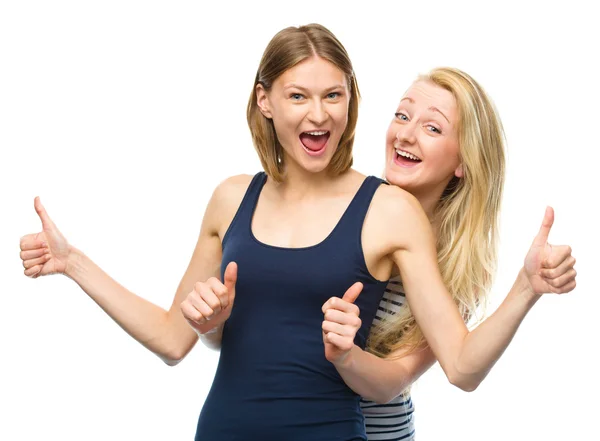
(392, 421)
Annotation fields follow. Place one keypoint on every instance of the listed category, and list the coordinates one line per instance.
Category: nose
(317, 113)
(406, 133)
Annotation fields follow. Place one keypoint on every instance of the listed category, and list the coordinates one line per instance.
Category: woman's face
(308, 104)
(422, 151)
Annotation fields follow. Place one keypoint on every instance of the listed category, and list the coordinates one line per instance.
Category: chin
(316, 166)
(399, 180)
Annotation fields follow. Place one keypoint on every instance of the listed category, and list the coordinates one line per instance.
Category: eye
(401, 116)
(296, 96)
(433, 129)
(333, 95)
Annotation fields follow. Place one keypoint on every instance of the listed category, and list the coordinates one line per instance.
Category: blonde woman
(280, 243)
(444, 146)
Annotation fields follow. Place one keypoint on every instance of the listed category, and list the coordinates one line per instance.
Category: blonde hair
(466, 216)
(289, 47)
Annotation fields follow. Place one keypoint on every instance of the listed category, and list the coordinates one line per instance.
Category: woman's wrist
(523, 289)
(75, 263)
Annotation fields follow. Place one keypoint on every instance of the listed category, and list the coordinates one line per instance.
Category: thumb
(542, 237)
(353, 292)
(41, 211)
(230, 279)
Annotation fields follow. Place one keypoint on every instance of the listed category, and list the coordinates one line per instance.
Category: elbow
(382, 397)
(173, 356)
(466, 383)
(171, 362)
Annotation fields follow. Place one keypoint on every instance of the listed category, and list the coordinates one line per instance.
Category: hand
(549, 268)
(341, 324)
(209, 304)
(45, 252)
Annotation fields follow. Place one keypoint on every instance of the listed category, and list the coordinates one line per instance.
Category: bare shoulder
(232, 189)
(225, 200)
(398, 216)
(393, 203)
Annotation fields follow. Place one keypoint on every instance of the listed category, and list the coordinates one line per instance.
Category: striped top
(392, 421)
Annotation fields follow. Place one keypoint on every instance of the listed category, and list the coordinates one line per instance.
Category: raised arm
(164, 332)
(466, 357)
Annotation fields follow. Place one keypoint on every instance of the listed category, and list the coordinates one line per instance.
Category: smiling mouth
(315, 141)
(404, 156)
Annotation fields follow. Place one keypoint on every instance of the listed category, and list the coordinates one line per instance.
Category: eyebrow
(304, 89)
(432, 108)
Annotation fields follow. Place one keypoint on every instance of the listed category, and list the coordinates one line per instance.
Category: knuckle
(556, 282)
(215, 306)
(214, 283)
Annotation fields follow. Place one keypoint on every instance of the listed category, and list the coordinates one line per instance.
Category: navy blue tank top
(273, 382)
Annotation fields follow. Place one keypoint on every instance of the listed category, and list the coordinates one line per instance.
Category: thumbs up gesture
(549, 268)
(209, 304)
(45, 252)
(340, 324)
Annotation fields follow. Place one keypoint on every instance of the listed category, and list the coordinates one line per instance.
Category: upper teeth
(407, 155)
(318, 133)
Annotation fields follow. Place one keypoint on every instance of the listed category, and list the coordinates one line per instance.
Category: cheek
(444, 155)
(339, 114)
(287, 121)
(390, 137)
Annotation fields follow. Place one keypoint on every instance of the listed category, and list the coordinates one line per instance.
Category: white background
(124, 115)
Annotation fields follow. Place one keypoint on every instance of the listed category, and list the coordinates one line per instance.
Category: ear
(262, 100)
(459, 172)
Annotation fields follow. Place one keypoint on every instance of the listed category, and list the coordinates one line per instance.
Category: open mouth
(406, 159)
(314, 142)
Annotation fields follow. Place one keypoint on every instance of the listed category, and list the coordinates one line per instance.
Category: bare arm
(466, 357)
(383, 379)
(164, 332)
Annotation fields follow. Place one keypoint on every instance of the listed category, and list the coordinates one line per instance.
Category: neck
(299, 183)
(429, 199)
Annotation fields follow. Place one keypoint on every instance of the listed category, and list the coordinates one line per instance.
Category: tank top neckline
(310, 247)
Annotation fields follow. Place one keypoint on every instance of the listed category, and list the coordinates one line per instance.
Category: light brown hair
(286, 49)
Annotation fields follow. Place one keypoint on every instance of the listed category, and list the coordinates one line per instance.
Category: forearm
(381, 380)
(149, 324)
(484, 345)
